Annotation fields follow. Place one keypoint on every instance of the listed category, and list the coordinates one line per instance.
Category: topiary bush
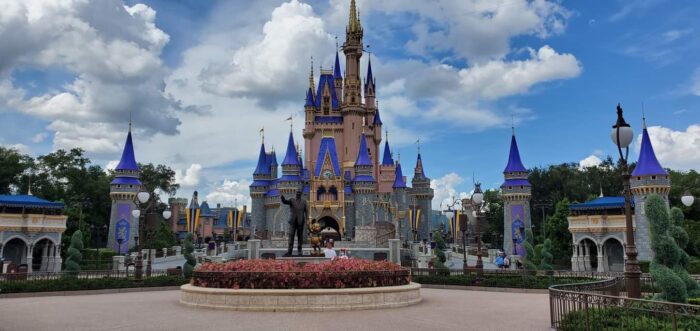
(440, 260)
(190, 260)
(74, 256)
(530, 259)
(546, 256)
(669, 263)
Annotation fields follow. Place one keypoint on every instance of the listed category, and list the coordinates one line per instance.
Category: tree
(546, 256)
(12, 165)
(493, 228)
(557, 229)
(190, 261)
(667, 266)
(439, 253)
(74, 252)
(164, 237)
(530, 259)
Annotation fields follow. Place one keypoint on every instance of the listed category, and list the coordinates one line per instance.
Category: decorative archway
(330, 222)
(15, 250)
(615, 254)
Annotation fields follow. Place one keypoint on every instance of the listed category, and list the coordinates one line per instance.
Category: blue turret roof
(336, 67)
(370, 78)
(309, 98)
(419, 167)
(514, 163)
(387, 160)
(399, 182)
(648, 164)
(362, 155)
(326, 80)
(327, 148)
(377, 119)
(291, 158)
(273, 158)
(194, 204)
(601, 203)
(128, 161)
(205, 210)
(263, 166)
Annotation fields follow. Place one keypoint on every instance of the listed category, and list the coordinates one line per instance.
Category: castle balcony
(598, 223)
(32, 222)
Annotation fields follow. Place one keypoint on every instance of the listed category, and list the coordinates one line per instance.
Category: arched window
(333, 192)
(320, 193)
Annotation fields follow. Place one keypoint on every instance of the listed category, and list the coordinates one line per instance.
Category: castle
(347, 185)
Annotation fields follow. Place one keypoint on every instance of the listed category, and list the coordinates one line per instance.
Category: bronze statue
(315, 237)
(297, 217)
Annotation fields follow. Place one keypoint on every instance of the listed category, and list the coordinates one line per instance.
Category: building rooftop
(28, 201)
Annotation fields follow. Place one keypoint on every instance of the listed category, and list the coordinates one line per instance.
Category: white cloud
(678, 150)
(230, 192)
(111, 165)
(695, 83)
(22, 148)
(189, 178)
(39, 137)
(590, 161)
(113, 52)
(445, 190)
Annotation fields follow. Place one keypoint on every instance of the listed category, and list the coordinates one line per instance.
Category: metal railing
(87, 274)
(597, 306)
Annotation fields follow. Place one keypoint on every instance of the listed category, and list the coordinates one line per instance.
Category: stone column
(178, 250)
(30, 258)
(574, 259)
(118, 263)
(395, 251)
(253, 249)
(165, 252)
(587, 257)
(601, 264)
(57, 260)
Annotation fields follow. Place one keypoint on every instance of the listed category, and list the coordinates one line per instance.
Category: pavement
(168, 264)
(439, 310)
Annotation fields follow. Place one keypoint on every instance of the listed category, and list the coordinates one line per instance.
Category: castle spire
(387, 160)
(336, 66)
(362, 155)
(399, 181)
(514, 162)
(353, 20)
(291, 158)
(128, 161)
(262, 168)
(419, 167)
(648, 164)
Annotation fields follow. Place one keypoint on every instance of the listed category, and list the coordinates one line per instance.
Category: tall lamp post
(622, 136)
(479, 208)
(142, 197)
(450, 213)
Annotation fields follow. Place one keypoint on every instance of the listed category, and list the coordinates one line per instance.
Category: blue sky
(201, 77)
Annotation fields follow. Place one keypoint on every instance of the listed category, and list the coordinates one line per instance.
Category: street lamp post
(478, 200)
(142, 197)
(687, 199)
(622, 136)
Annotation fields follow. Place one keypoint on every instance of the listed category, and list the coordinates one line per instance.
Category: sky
(200, 78)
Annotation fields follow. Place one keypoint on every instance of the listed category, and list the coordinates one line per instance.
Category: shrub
(273, 274)
(502, 281)
(190, 261)
(530, 259)
(616, 318)
(667, 239)
(74, 256)
(439, 262)
(73, 284)
(546, 261)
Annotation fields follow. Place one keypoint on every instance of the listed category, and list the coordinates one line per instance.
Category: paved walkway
(440, 310)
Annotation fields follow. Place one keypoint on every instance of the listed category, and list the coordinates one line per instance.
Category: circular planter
(301, 299)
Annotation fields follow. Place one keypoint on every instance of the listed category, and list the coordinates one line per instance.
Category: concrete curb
(88, 292)
(487, 289)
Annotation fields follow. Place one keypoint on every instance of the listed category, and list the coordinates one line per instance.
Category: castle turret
(647, 178)
(353, 52)
(387, 171)
(421, 196)
(123, 189)
(259, 188)
(337, 77)
(516, 193)
(370, 87)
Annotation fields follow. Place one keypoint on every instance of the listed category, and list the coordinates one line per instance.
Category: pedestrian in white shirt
(329, 252)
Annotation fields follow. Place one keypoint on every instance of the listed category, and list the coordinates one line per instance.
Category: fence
(597, 306)
(90, 274)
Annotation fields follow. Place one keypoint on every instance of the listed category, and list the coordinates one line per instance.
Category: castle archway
(331, 228)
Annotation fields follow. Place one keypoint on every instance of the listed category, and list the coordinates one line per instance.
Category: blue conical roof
(291, 158)
(419, 167)
(263, 166)
(336, 68)
(128, 161)
(377, 120)
(309, 98)
(399, 182)
(362, 155)
(387, 160)
(370, 78)
(514, 163)
(647, 164)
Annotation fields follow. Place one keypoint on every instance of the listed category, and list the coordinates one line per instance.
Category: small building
(30, 232)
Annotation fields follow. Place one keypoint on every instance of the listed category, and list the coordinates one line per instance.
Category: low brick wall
(301, 300)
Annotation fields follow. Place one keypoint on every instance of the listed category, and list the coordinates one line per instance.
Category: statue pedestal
(305, 259)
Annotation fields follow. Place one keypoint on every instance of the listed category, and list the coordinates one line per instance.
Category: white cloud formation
(189, 178)
(445, 190)
(113, 53)
(590, 161)
(678, 150)
(39, 137)
(231, 192)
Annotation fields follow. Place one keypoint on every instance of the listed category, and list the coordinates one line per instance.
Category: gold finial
(418, 143)
(311, 76)
(644, 117)
(353, 21)
(130, 120)
(387, 134)
(262, 134)
(512, 123)
(336, 44)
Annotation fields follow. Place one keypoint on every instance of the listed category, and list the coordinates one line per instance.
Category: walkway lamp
(142, 197)
(479, 208)
(622, 136)
(687, 199)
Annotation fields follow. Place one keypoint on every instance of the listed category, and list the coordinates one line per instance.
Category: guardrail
(597, 306)
(88, 274)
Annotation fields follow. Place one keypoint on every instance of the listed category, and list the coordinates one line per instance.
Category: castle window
(653, 177)
(353, 126)
(510, 187)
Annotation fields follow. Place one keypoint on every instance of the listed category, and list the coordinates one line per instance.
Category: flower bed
(274, 274)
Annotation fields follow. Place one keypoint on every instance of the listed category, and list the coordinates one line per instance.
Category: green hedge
(615, 318)
(71, 284)
(520, 281)
(694, 301)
